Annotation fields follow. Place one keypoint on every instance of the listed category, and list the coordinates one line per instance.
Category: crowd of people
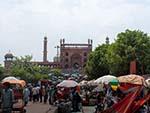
(54, 95)
(70, 99)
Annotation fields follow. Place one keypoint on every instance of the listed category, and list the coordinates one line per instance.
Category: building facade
(72, 57)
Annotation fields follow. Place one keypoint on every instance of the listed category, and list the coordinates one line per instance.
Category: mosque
(72, 57)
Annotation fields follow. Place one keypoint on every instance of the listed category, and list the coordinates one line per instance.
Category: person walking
(76, 100)
(7, 98)
(26, 94)
(41, 94)
(46, 94)
(34, 93)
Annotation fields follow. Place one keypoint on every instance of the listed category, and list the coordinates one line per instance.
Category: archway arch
(76, 60)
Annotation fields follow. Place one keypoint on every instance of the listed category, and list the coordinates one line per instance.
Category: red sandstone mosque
(72, 58)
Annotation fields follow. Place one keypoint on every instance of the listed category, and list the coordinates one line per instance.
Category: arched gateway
(73, 56)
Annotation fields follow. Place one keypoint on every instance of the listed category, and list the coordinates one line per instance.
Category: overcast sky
(24, 23)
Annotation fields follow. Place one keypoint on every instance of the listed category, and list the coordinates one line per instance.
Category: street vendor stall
(17, 87)
(64, 89)
(130, 81)
(133, 98)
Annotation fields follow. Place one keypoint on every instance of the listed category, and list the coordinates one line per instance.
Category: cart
(17, 87)
(18, 101)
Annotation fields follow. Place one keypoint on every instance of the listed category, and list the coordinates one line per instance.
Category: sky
(24, 23)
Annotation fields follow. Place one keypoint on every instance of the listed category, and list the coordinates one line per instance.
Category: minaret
(107, 40)
(45, 50)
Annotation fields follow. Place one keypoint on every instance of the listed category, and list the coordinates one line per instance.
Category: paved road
(40, 108)
(89, 109)
(45, 108)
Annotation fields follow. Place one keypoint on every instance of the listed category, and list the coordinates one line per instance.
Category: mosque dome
(9, 55)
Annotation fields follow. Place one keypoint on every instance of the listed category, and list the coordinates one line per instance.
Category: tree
(97, 64)
(115, 58)
(23, 68)
(1, 71)
(129, 46)
(56, 72)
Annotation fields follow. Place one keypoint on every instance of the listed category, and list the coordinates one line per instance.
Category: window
(85, 60)
(67, 54)
(85, 54)
(66, 60)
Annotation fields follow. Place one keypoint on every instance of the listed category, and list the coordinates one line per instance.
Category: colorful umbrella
(114, 84)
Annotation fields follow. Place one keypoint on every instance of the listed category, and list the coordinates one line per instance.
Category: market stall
(17, 87)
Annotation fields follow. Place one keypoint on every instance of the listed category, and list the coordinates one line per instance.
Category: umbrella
(105, 79)
(114, 82)
(132, 79)
(13, 80)
(147, 82)
(67, 83)
(92, 83)
(9, 79)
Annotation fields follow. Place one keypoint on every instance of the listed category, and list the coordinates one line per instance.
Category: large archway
(76, 60)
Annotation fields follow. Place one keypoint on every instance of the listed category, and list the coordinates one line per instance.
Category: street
(45, 108)
(40, 108)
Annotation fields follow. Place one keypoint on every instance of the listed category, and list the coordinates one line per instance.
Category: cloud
(24, 23)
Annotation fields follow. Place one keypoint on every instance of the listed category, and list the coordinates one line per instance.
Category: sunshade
(68, 83)
(105, 79)
(132, 79)
(147, 82)
(92, 83)
(13, 80)
(9, 78)
(114, 82)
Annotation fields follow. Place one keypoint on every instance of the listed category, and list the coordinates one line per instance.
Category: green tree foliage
(23, 67)
(1, 71)
(115, 58)
(129, 46)
(56, 72)
(97, 64)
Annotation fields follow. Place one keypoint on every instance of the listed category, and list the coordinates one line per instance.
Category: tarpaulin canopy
(129, 104)
(132, 79)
